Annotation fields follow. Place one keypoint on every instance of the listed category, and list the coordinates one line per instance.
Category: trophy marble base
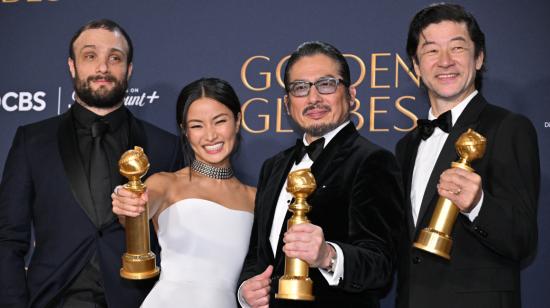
(139, 267)
(434, 242)
(295, 288)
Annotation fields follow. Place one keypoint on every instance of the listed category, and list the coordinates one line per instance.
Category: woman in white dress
(202, 213)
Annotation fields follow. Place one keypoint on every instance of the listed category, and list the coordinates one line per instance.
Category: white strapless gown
(203, 248)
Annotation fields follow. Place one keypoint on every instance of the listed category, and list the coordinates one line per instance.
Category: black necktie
(100, 182)
(313, 150)
(427, 127)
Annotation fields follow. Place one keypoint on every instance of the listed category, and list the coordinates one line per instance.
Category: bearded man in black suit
(497, 227)
(356, 208)
(58, 178)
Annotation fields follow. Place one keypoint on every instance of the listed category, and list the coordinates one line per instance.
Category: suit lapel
(333, 153)
(74, 169)
(137, 136)
(408, 168)
(468, 119)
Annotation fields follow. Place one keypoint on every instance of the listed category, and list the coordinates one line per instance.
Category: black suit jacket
(484, 270)
(357, 203)
(45, 185)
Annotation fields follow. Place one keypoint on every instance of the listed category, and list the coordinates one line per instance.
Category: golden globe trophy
(138, 262)
(436, 237)
(295, 283)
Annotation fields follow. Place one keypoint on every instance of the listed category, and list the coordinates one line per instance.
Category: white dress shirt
(426, 157)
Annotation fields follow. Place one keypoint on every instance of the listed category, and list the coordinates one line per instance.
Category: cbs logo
(23, 101)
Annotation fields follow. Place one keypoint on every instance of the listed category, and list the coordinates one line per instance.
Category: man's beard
(319, 130)
(100, 98)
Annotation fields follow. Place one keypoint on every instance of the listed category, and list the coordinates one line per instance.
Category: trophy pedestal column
(137, 267)
(433, 241)
(295, 288)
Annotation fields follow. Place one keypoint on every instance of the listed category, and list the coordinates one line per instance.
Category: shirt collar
(84, 117)
(457, 110)
(328, 136)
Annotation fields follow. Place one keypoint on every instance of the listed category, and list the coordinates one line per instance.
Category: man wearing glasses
(356, 209)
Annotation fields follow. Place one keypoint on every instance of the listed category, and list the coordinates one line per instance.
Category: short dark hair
(317, 47)
(214, 88)
(437, 13)
(106, 24)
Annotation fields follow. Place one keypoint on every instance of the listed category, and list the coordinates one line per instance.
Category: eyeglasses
(301, 88)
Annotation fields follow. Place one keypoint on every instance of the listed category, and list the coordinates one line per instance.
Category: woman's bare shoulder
(163, 177)
(164, 181)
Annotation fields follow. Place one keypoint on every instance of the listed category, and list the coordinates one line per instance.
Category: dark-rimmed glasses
(326, 85)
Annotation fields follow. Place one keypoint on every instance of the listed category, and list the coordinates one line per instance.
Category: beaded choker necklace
(211, 171)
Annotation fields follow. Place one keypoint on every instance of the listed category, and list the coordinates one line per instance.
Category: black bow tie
(426, 127)
(313, 150)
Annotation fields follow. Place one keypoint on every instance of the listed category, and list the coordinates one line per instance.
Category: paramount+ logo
(23, 101)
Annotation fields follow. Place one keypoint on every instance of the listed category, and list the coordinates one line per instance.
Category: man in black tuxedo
(356, 208)
(58, 178)
(497, 227)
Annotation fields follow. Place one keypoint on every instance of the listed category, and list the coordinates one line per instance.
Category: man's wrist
(329, 261)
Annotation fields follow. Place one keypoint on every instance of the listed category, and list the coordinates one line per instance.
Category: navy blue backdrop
(247, 42)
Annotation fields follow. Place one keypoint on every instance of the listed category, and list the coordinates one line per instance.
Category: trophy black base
(139, 267)
(295, 288)
(435, 242)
